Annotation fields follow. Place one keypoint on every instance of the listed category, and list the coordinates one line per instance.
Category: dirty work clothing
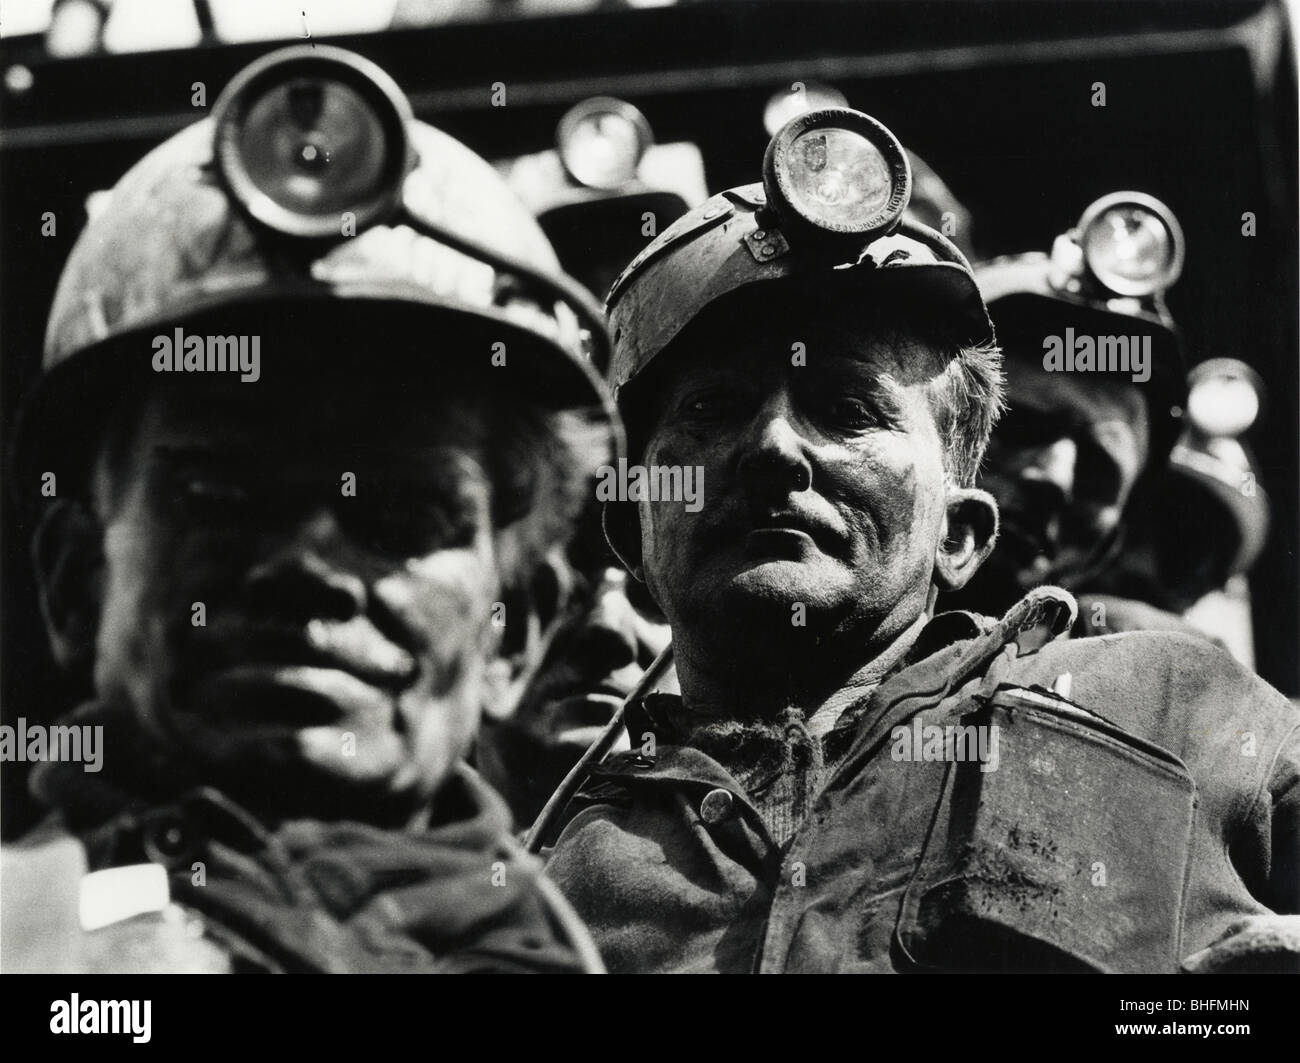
(1127, 825)
(298, 896)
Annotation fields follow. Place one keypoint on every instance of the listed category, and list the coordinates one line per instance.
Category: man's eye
(410, 522)
(211, 496)
(851, 412)
(709, 404)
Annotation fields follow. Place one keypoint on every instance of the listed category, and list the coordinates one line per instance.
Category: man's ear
(532, 618)
(970, 529)
(68, 554)
(622, 527)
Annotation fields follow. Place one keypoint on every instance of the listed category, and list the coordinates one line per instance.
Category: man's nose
(1056, 464)
(608, 638)
(773, 462)
(307, 576)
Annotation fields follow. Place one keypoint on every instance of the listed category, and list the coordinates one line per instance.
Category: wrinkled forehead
(808, 335)
(321, 413)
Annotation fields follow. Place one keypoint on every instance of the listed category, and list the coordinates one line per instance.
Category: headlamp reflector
(1132, 243)
(836, 175)
(302, 138)
(602, 141)
(836, 172)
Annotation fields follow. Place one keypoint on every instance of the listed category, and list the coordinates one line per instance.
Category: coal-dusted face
(298, 586)
(825, 493)
(1062, 464)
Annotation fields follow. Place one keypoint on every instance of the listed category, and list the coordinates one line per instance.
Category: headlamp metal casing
(825, 235)
(1176, 246)
(305, 66)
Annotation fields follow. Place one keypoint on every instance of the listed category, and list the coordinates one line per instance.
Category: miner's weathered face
(827, 506)
(1062, 464)
(590, 667)
(298, 586)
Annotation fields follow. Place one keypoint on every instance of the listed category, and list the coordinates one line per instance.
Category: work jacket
(1145, 800)
(115, 882)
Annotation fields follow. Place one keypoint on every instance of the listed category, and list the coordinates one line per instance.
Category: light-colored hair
(967, 399)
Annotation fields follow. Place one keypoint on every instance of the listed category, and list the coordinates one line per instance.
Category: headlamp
(836, 178)
(602, 141)
(307, 134)
(302, 138)
(1131, 243)
(1223, 397)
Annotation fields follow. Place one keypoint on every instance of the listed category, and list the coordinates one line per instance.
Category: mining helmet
(829, 215)
(1105, 277)
(312, 192)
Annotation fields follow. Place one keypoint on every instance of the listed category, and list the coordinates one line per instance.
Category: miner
(296, 593)
(831, 366)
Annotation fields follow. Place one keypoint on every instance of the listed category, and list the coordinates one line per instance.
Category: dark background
(996, 96)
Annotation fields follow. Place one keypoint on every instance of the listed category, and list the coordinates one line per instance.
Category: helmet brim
(431, 344)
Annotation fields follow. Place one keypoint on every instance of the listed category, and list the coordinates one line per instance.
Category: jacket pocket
(1064, 848)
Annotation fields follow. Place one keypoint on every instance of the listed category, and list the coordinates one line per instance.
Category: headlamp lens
(836, 173)
(602, 142)
(837, 176)
(313, 147)
(1133, 247)
(304, 137)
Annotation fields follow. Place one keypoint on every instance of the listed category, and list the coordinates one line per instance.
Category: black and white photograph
(646, 487)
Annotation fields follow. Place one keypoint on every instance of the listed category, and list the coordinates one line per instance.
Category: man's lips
(353, 647)
(579, 720)
(295, 696)
(775, 523)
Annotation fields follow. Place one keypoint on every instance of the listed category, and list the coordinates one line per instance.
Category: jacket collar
(1050, 611)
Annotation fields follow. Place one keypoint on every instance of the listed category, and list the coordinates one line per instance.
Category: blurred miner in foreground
(847, 781)
(318, 407)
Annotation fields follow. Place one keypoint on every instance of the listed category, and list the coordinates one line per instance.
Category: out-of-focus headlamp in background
(602, 141)
(607, 188)
(801, 97)
(1127, 245)
(300, 141)
(836, 179)
(1223, 398)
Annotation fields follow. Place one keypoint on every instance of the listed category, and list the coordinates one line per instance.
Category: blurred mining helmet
(1212, 483)
(828, 218)
(312, 202)
(1096, 304)
(606, 188)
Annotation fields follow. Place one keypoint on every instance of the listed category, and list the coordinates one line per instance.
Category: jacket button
(716, 806)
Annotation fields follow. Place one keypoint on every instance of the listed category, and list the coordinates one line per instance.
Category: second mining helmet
(828, 216)
(1105, 277)
(311, 200)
